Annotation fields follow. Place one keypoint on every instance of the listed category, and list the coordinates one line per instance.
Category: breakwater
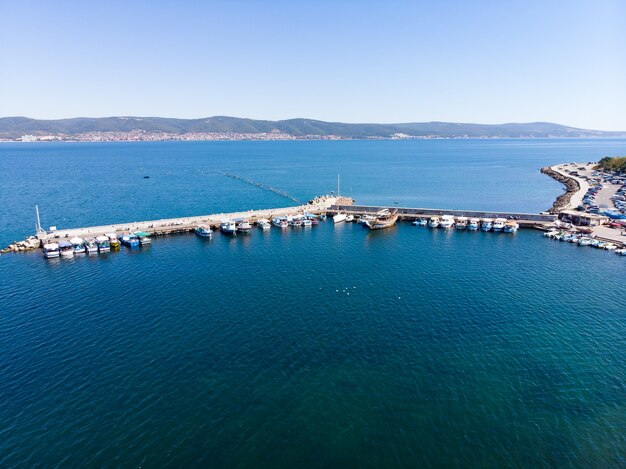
(260, 185)
(571, 187)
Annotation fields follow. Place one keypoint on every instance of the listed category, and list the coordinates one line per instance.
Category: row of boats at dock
(100, 244)
(583, 239)
(471, 224)
(242, 226)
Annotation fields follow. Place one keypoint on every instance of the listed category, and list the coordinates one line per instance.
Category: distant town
(150, 136)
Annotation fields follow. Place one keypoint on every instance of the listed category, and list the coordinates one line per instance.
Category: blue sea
(325, 346)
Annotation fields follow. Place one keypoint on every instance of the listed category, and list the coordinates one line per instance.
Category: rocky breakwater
(571, 187)
(29, 244)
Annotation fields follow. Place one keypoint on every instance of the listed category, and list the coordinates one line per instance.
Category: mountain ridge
(18, 126)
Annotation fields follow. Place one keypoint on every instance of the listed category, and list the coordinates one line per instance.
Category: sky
(350, 61)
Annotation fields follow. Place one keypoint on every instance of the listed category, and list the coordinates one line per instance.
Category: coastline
(572, 188)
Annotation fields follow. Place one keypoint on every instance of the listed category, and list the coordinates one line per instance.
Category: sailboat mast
(38, 227)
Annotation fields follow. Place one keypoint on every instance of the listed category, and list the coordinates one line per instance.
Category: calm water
(324, 346)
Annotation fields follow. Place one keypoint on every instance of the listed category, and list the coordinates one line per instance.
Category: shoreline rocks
(571, 187)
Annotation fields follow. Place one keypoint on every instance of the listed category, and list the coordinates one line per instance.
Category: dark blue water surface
(323, 346)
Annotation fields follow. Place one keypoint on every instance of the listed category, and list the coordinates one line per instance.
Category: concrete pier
(183, 224)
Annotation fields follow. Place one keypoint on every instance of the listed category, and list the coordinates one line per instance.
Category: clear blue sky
(341, 60)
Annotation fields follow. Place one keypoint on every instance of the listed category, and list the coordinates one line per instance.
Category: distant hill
(15, 127)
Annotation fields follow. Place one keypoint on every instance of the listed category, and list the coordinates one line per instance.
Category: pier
(525, 220)
(185, 224)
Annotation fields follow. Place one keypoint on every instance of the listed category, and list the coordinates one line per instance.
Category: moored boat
(349, 218)
(78, 244)
(433, 222)
(307, 222)
(498, 224)
(338, 218)
(243, 226)
(474, 224)
(280, 222)
(130, 239)
(144, 238)
(511, 227)
(486, 224)
(204, 231)
(228, 227)
(66, 249)
(447, 221)
(263, 224)
(461, 223)
(51, 250)
(104, 245)
(620, 252)
(91, 247)
(385, 218)
(114, 242)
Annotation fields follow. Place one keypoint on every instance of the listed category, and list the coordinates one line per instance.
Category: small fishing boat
(307, 222)
(338, 218)
(228, 227)
(294, 221)
(486, 224)
(511, 227)
(144, 238)
(461, 223)
(78, 244)
(203, 231)
(550, 234)
(349, 218)
(131, 240)
(263, 224)
(610, 247)
(473, 224)
(243, 226)
(498, 224)
(113, 241)
(385, 218)
(66, 249)
(280, 222)
(584, 241)
(433, 222)
(51, 250)
(620, 252)
(91, 247)
(104, 245)
(447, 221)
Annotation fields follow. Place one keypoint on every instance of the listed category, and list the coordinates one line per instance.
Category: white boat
(498, 224)
(349, 218)
(114, 242)
(78, 244)
(91, 247)
(511, 227)
(584, 241)
(203, 231)
(104, 245)
(550, 234)
(447, 221)
(461, 223)
(486, 224)
(433, 222)
(51, 250)
(339, 218)
(228, 227)
(294, 221)
(66, 249)
(473, 224)
(280, 222)
(620, 252)
(263, 224)
(307, 222)
(243, 226)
